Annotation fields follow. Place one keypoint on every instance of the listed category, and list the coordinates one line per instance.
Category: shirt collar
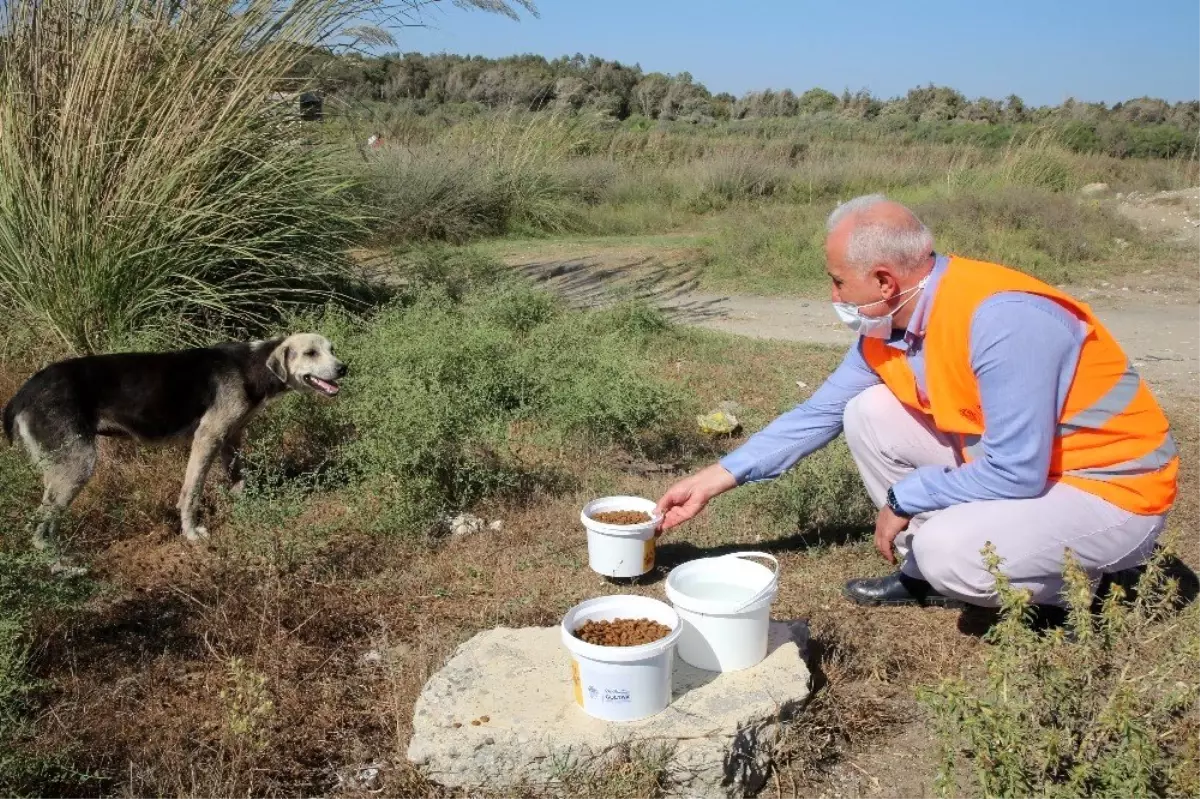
(915, 331)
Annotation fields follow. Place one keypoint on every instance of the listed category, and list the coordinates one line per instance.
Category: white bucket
(620, 550)
(724, 605)
(621, 683)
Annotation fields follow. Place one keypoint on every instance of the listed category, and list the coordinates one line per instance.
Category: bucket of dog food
(724, 606)
(622, 649)
(620, 535)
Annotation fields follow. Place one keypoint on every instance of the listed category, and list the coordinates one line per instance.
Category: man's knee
(869, 408)
(949, 566)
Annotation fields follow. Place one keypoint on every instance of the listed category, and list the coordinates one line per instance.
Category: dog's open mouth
(329, 388)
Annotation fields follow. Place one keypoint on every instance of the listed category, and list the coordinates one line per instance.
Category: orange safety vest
(1113, 439)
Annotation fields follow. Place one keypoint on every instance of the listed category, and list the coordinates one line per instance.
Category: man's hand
(887, 526)
(689, 496)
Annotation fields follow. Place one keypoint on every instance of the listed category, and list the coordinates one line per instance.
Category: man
(979, 405)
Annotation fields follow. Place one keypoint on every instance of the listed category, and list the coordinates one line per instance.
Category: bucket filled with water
(724, 607)
(620, 535)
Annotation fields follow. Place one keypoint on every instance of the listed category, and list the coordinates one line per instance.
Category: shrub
(440, 379)
(489, 176)
(730, 179)
(149, 187)
(1049, 235)
(1109, 710)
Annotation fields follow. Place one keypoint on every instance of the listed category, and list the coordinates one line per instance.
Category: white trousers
(943, 547)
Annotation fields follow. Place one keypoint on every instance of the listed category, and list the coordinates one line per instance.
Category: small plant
(249, 708)
(1106, 707)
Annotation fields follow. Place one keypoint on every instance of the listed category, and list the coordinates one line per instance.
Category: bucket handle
(766, 589)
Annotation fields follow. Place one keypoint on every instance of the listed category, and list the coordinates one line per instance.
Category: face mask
(872, 326)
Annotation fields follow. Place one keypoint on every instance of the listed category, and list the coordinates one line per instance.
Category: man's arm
(804, 429)
(1024, 350)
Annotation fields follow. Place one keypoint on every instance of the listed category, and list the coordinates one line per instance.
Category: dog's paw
(196, 534)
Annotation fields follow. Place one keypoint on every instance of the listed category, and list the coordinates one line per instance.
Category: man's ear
(888, 285)
(277, 362)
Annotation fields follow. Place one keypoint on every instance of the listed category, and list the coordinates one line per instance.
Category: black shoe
(897, 589)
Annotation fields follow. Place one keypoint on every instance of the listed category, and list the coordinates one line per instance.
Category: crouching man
(980, 404)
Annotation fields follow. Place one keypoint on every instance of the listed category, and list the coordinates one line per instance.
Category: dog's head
(305, 362)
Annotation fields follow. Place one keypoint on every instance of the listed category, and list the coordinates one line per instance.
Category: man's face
(853, 286)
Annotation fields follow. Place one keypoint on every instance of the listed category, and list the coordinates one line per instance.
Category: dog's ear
(277, 361)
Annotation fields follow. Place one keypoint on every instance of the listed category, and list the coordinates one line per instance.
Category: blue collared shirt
(1024, 350)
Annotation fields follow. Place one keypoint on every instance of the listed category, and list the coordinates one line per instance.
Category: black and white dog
(209, 393)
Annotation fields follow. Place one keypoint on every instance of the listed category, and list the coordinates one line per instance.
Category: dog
(208, 393)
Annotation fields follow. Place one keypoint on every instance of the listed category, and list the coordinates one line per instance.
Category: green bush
(489, 176)
(1046, 234)
(1109, 710)
(439, 378)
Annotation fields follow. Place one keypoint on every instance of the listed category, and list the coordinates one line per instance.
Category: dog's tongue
(326, 386)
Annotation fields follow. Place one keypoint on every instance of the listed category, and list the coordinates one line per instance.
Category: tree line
(1143, 126)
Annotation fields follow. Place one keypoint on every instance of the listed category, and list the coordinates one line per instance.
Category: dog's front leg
(204, 449)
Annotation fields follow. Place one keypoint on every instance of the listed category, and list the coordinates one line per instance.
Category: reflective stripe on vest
(1116, 400)
(1147, 464)
(1095, 417)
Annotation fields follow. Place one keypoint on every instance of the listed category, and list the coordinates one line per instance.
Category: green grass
(779, 249)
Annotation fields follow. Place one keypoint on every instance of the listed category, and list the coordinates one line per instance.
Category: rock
(718, 423)
(497, 526)
(723, 727)
(466, 524)
(1094, 190)
(356, 779)
(801, 384)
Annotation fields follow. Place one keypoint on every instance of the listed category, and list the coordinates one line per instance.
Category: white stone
(497, 526)
(722, 727)
(466, 524)
(1094, 189)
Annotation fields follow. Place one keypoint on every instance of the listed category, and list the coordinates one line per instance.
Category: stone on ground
(516, 684)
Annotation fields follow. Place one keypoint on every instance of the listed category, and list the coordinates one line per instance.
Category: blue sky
(1044, 51)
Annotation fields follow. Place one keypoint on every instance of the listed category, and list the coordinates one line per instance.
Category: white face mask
(873, 326)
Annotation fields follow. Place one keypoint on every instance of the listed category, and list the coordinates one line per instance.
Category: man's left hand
(887, 526)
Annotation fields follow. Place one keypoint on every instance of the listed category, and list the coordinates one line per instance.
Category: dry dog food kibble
(622, 632)
(621, 517)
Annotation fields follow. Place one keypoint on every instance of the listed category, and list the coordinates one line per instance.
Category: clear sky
(1044, 51)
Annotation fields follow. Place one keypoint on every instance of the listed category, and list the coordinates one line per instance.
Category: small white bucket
(724, 606)
(621, 683)
(620, 550)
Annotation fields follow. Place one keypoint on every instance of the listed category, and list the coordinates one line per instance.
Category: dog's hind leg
(64, 473)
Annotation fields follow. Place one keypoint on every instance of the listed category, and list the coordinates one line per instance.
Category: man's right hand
(688, 497)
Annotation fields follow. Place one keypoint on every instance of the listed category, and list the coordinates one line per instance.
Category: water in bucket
(724, 605)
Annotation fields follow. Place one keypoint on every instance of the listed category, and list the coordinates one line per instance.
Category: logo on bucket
(616, 696)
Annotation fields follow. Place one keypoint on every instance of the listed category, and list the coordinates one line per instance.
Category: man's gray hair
(903, 244)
